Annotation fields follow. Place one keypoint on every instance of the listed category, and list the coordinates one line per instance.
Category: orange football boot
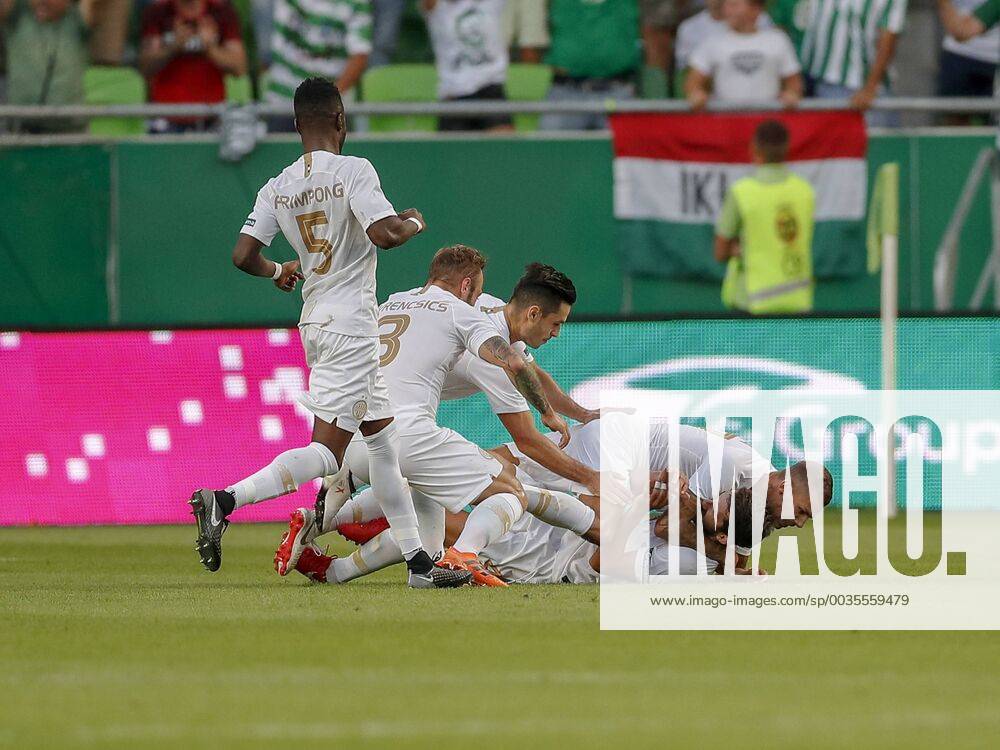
(455, 560)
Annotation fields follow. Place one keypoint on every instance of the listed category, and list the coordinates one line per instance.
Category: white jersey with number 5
(324, 203)
(423, 333)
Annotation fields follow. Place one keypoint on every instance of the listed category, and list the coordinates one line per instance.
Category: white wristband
(415, 220)
(277, 270)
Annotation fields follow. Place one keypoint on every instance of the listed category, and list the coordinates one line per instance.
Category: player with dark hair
(332, 211)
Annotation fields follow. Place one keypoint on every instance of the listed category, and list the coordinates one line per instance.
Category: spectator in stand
(46, 46)
(262, 18)
(387, 19)
(188, 47)
(971, 51)
(317, 38)
(660, 19)
(696, 29)
(744, 62)
(471, 57)
(963, 26)
(109, 30)
(848, 50)
(526, 27)
(594, 55)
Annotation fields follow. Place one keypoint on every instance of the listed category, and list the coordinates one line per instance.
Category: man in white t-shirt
(702, 25)
(332, 211)
(470, 53)
(744, 62)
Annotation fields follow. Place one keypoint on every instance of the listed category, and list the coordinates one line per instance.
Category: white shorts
(345, 382)
(438, 462)
(534, 552)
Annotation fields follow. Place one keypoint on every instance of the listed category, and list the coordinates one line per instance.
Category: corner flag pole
(883, 250)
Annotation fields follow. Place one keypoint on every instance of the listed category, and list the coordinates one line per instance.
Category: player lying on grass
(332, 211)
(537, 553)
(696, 470)
(426, 331)
(695, 462)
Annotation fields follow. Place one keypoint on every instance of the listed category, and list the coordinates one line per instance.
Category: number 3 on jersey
(313, 243)
(390, 340)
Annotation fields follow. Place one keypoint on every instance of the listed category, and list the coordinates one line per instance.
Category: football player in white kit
(538, 307)
(332, 211)
(731, 468)
(426, 331)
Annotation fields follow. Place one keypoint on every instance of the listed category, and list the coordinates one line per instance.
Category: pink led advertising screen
(121, 427)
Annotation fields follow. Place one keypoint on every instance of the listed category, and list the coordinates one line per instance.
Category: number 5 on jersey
(313, 243)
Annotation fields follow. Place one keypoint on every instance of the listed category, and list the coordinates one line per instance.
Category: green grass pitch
(115, 637)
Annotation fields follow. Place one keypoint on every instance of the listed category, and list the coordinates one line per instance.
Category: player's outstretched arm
(247, 258)
(497, 351)
(560, 401)
(543, 451)
(393, 231)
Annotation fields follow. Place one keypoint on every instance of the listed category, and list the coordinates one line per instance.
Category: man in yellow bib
(764, 233)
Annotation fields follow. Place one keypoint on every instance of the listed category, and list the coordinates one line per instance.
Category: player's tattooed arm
(496, 350)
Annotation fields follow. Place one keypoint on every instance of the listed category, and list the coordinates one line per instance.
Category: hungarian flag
(672, 172)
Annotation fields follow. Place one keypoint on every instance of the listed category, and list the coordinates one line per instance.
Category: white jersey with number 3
(324, 203)
(472, 375)
(423, 333)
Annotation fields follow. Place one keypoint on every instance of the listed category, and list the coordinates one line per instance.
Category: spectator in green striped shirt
(317, 38)
(964, 27)
(848, 50)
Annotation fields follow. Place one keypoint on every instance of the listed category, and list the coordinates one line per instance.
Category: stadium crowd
(211, 51)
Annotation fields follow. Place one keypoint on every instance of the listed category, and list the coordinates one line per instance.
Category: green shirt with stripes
(988, 13)
(315, 38)
(842, 37)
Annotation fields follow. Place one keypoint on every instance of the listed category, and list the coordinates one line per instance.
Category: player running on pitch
(332, 211)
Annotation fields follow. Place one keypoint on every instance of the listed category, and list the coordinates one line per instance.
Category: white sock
(489, 521)
(430, 520)
(361, 508)
(559, 509)
(390, 489)
(284, 474)
(378, 553)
